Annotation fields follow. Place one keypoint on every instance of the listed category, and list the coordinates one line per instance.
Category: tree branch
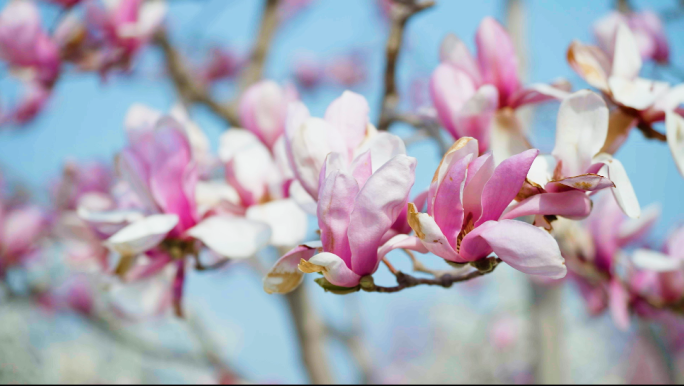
(401, 12)
(311, 333)
(255, 67)
(187, 87)
(446, 280)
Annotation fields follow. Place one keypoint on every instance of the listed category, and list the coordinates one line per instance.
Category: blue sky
(85, 116)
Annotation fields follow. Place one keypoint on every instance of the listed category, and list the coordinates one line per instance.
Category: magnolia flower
(345, 130)
(357, 206)
(168, 228)
(576, 163)
(646, 27)
(31, 104)
(466, 219)
(124, 27)
(477, 98)
(640, 101)
(257, 188)
(25, 45)
(308, 71)
(263, 110)
(347, 70)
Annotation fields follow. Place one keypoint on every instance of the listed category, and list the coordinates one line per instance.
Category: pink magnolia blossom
(263, 110)
(357, 206)
(34, 100)
(308, 71)
(647, 29)
(476, 97)
(159, 167)
(257, 187)
(345, 130)
(66, 3)
(466, 219)
(576, 165)
(25, 45)
(123, 27)
(640, 101)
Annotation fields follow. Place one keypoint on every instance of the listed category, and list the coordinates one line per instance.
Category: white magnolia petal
(582, 128)
(626, 58)
(656, 261)
(233, 141)
(209, 194)
(383, 147)
(623, 190)
(152, 14)
(142, 235)
(636, 93)
(541, 171)
(674, 125)
(287, 220)
(232, 237)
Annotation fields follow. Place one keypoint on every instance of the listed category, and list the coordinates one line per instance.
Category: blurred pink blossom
(647, 29)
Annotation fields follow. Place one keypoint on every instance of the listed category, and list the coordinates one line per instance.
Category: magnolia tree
(130, 231)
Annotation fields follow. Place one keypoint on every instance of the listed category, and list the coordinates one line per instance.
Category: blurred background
(500, 328)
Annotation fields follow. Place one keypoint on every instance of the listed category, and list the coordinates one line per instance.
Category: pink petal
(21, 230)
(431, 236)
(285, 275)
(263, 110)
(524, 247)
(505, 184)
(362, 167)
(450, 88)
(475, 117)
(448, 208)
(574, 205)
(333, 268)
(479, 172)
(454, 52)
(460, 149)
(497, 58)
(412, 243)
(349, 114)
(134, 171)
(537, 93)
(586, 182)
(336, 198)
(377, 206)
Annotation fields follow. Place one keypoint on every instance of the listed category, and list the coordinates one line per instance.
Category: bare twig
(311, 333)
(418, 266)
(401, 12)
(447, 280)
(255, 66)
(189, 89)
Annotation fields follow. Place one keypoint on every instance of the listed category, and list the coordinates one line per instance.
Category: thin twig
(255, 67)
(407, 281)
(401, 12)
(418, 266)
(189, 89)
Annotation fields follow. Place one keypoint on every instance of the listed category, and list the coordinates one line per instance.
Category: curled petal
(142, 235)
(591, 63)
(412, 243)
(454, 52)
(537, 93)
(497, 58)
(430, 235)
(232, 237)
(674, 125)
(574, 205)
(285, 275)
(332, 267)
(623, 190)
(479, 172)
(587, 182)
(448, 207)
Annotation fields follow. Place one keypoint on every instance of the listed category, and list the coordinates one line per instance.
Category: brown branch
(311, 333)
(401, 12)
(189, 89)
(447, 280)
(255, 66)
(650, 133)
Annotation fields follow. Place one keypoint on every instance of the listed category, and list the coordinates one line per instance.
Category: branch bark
(401, 12)
(311, 333)
(255, 67)
(189, 89)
